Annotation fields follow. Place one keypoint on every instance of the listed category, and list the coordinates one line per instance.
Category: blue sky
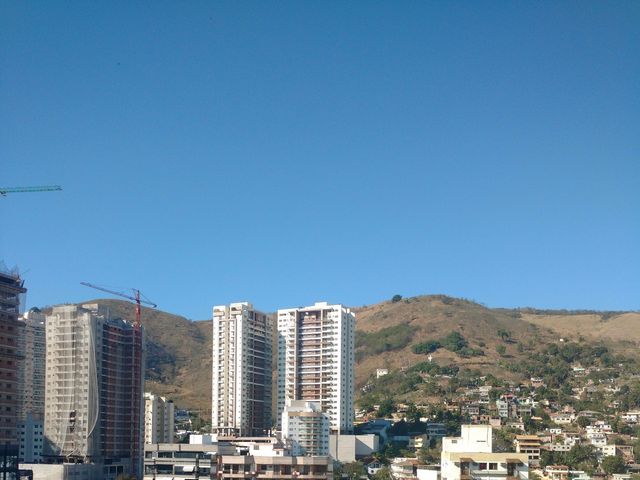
(289, 152)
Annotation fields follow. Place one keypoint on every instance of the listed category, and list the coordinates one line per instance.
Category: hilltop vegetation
(465, 340)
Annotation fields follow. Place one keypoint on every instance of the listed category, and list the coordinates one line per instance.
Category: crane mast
(135, 298)
(136, 364)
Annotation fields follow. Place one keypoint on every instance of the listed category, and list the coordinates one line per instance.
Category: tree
(386, 408)
(583, 421)
(501, 349)
(366, 404)
(414, 413)
(581, 456)
(354, 470)
(504, 334)
(383, 474)
(613, 464)
(396, 298)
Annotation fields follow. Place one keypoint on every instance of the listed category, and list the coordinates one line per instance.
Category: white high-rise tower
(316, 361)
(241, 380)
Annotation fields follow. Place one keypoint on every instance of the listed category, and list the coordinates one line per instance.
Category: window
(482, 466)
(493, 466)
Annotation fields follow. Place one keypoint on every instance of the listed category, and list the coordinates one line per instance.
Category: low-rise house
(621, 476)
(404, 468)
(471, 457)
(529, 444)
(559, 447)
(598, 440)
(516, 426)
(572, 438)
(579, 475)
(557, 472)
(471, 409)
(373, 466)
(545, 437)
(537, 382)
(428, 472)
(507, 406)
(562, 418)
(436, 430)
(624, 451)
(631, 417)
(418, 441)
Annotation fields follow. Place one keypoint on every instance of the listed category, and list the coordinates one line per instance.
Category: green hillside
(458, 334)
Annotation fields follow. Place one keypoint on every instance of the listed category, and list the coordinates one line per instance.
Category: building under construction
(93, 401)
(11, 289)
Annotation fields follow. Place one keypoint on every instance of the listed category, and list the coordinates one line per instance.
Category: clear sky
(290, 152)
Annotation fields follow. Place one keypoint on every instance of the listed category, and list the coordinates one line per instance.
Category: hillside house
(471, 457)
(404, 468)
(531, 445)
(562, 418)
(418, 441)
(557, 472)
(631, 417)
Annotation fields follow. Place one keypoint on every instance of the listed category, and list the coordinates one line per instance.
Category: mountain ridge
(179, 358)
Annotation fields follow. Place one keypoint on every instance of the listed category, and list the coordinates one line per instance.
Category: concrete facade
(241, 377)
(158, 419)
(11, 289)
(349, 448)
(305, 429)
(470, 457)
(229, 460)
(93, 397)
(316, 361)
(31, 436)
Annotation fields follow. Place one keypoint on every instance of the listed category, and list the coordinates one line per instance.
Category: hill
(471, 337)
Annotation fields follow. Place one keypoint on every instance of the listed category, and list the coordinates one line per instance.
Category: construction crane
(136, 364)
(42, 188)
(135, 298)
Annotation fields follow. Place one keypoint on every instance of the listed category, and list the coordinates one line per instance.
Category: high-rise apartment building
(305, 429)
(93, 395)
(241, 380)
(316, 361)
(11, 288)
(32, 385)
(32, 372)
(158, 419)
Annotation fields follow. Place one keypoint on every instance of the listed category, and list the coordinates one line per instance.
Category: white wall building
(470, 457)
(316, 361)
(241, 378)
(349, 448)
(305, 429)
(158, 419)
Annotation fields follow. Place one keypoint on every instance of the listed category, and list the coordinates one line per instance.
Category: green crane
(43, 188)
